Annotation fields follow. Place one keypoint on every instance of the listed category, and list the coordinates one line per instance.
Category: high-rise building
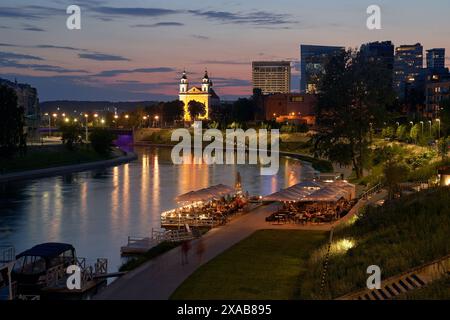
(408, 67)
(382, 52)
(312, 64)
(436, 58)
(272, 76)
(379, 51)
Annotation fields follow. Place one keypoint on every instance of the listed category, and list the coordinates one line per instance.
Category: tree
(196, 109)
(402, 134)
(395, 172)
(388, 132)
(71, 134)
(445, 117)
(172, 111)
(415, 132)
(443, 145)
(102, 140)
(243, 110)
(12, 122)
(354, 94)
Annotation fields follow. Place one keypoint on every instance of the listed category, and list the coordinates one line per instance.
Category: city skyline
(37, 48)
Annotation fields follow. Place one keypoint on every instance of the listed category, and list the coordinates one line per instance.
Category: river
(97, 210)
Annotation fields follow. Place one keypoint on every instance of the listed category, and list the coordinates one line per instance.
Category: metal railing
(366, 195)
(7, 254)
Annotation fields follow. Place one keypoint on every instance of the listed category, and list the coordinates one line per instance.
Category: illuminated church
(204, 94)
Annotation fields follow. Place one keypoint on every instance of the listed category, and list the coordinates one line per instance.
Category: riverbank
(59, 161)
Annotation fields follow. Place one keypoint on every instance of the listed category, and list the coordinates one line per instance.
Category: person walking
(185, 247)
(200, 250)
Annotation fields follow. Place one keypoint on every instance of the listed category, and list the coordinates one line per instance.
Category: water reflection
(97, 210)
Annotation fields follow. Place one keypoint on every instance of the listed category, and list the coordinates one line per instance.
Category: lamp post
(431, 125)
(421, 122)
(55, 116)
(156, 121)
(86, 116)
(439, 124)
(145, 118)
(49, 123)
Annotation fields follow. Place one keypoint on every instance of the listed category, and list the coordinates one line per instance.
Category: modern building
(379, 51)
(272, 76)
(312, 64)
(436, 92)
(436, 58)
(293, 108)
(204, 94)
(408, 66)
(27, 98)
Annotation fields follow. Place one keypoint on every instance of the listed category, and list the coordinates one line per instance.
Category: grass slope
(397, 237)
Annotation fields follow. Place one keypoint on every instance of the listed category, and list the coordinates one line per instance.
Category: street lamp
(421, 122)
(156, 121)
(86, 116)
(431, 125)
(439, 123)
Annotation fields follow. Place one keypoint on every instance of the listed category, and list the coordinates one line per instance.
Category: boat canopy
(47, 250)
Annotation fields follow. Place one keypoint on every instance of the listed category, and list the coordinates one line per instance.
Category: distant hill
(91, 106)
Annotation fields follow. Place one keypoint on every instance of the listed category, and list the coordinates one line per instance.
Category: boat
(42, 272)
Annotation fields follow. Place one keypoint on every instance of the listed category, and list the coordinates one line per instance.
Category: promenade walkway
(159, 278)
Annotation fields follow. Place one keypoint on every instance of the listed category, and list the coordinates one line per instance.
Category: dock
(141, 245)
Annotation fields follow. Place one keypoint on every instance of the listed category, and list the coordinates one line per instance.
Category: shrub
(71, 134)
(101, 140)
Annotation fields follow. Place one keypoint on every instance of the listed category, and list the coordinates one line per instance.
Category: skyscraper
(408, 67)
(312, 65)
(379, 51)
(436, 58)
(272, 76)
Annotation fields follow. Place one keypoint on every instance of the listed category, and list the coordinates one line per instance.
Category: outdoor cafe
(208, 207)
(313, 202)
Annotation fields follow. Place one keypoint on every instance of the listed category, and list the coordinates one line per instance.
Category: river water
(96, 211)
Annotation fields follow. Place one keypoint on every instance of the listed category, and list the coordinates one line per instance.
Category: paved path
(159, 278)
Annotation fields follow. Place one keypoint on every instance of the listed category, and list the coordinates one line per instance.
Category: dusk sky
(136, 50)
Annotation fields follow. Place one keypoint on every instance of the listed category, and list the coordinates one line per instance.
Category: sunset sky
(137, 49)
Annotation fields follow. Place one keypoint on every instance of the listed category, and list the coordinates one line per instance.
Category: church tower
(206, 83)
(184, 83)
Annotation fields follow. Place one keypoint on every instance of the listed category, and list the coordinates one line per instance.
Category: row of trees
(101, 139)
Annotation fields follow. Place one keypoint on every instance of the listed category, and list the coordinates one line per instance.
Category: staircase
(404, 283)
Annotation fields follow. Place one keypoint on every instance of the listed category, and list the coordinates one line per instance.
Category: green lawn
(267, 265)
(48, 157)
